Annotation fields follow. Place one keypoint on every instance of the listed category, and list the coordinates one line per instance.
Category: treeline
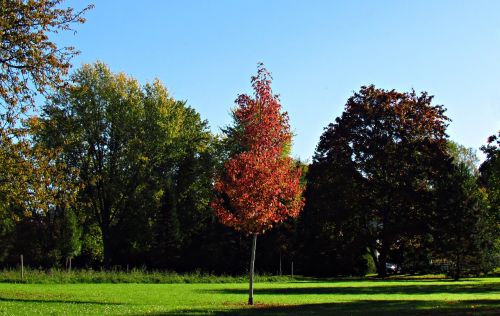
(132, 172)
(111, 173)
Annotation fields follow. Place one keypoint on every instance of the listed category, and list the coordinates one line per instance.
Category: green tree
(178, 147)
(490, 182)
(332, 241)
(129, 142)
(465, 156)
(464, 234)
(69, 236)
(490, 172)
(94, 121)
(418, 253)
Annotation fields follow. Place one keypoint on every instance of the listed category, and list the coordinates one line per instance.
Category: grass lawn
(309, 297)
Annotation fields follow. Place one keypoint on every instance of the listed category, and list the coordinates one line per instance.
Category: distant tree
(490, 171)
(332, 241)
(490, 182)
(129, 143)
(69, 236)
(378, 164)
(179, 171)
(464, 233)
(260, 184)
(33, 182)
(92, 251)
(465, 156)
(94, 122)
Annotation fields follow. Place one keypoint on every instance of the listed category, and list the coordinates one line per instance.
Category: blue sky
(319, 52)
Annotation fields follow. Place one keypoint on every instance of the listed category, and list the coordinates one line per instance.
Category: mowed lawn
(310, 297)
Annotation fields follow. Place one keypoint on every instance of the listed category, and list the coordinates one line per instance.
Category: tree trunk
(458, 268)
(382, 260)
(280, 263)
(252, 265)
(106, 247)
(373, 253)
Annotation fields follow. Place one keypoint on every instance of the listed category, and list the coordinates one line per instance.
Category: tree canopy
(259, 186)
(102, 169)
(31, 179)
(31, 62)
(129, 143)
(389, 148)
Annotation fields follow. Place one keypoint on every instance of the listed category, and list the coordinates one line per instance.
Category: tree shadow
(23, 300)
(396, 278)
(420, 289)
(381, 307)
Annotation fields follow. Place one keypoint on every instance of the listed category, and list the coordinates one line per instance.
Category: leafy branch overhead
(30, 62)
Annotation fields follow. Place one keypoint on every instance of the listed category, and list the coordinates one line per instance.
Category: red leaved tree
(260, 184)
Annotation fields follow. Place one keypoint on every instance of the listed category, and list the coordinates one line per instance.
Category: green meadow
(478, 296)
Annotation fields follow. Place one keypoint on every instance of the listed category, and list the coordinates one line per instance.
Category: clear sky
(319, 52)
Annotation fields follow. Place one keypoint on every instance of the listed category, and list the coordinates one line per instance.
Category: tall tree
(177, 144)
(94, 121)
(31, 178)
(490, 171)
(490, 182)
(388, 148)
(462, 226)
(129, 143)
(332, 239)
(260, 184)
(68, 236)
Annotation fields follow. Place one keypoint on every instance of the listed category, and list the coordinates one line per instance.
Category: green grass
(336, 297)
(58, 276)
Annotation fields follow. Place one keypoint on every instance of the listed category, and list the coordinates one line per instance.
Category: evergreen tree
(463, 231)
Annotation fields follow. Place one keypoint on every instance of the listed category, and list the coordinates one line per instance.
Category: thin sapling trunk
(252, 266)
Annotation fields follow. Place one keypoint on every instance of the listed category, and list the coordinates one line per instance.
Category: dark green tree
(418, 254)
(490, 173)
(463, 230)
(69, 235)
(490, 182)
(333, 241)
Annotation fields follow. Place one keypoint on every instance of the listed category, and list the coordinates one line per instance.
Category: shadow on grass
(476, 307)
(391, 278)
(23, 300)
(420, 289)
(398, 278)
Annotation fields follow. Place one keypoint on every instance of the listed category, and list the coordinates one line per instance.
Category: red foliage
(261, 185)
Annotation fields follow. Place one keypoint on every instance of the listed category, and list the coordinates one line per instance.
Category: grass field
(308, 297)
(58, 276)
